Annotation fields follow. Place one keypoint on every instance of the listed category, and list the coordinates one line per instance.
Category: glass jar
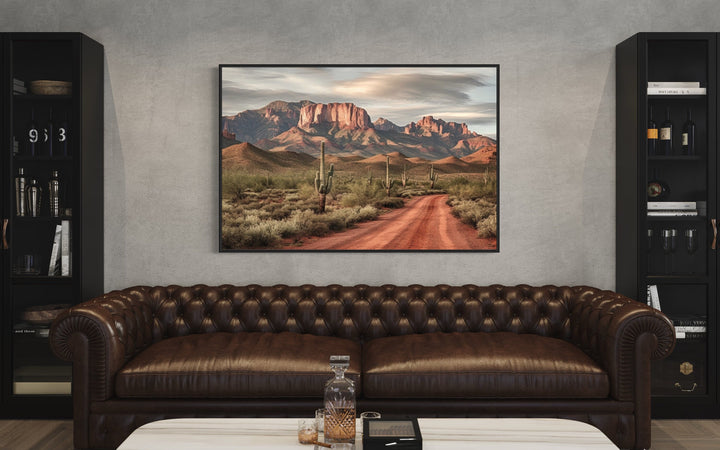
(339, 403)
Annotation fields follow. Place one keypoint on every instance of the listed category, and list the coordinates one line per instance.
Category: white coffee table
(437, 434)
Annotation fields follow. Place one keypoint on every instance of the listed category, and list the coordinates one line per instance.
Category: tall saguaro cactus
(387, 182)
(433, 176)
(323, 182)
(404, 177)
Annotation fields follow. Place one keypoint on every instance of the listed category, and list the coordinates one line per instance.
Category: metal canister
(33, 195)
(54, 194)
(20, 193)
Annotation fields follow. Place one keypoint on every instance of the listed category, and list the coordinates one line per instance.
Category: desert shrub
(480, 214)
(252, 236)
(465, 189)
(419, 190)
(237, 184)
(487, 228)
(390, 202)
(360, 193)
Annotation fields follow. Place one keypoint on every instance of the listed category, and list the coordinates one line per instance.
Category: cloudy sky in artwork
(400, 94)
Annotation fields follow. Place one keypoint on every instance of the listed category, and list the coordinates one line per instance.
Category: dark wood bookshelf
(686, 280)
(33, 382)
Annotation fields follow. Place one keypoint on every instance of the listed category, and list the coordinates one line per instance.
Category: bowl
(50, 87)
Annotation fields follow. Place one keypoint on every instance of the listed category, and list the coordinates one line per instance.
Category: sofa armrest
(618, 331)
(99, 336)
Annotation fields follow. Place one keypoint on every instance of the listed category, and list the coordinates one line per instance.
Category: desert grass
(274, 210)
(261, 211)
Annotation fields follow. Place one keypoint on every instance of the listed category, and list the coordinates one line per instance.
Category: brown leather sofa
(150, 353)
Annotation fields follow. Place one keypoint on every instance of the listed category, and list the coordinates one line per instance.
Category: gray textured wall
(557, 126)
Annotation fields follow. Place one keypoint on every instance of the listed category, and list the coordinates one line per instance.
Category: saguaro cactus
(433, 176)
(387, 182)
(323, 182)
(404, 177)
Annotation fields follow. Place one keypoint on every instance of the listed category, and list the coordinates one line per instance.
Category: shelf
(676, 158)
(26, 158)
(41, 219)
(676, 97)
(676, 279)
(677, 218)
(40, 279)
(46, 98)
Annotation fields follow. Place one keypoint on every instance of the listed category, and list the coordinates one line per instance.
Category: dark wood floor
(57, 434)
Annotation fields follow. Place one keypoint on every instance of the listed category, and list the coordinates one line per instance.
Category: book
(55, 253)
(691, 329)
(702, 208)
(19, 89)
(691, 336)
(653, 298)
(671, 206)
(65, 269)
(676, 91)
(689, 320)
(671, 213)
(674, 84)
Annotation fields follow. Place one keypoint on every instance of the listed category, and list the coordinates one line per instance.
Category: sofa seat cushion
(236, 365)
(479, 365)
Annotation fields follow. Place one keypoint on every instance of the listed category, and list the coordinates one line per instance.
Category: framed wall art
(359, 157)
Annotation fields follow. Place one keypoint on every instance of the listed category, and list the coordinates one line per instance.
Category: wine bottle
(61, 138)
(48, 136)
(652, 134)
(33, 135)
(688, 135)
(666, 132)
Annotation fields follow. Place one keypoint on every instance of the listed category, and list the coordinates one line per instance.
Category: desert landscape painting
(359, 158)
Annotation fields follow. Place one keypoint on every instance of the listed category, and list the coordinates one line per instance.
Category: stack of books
(675, 88)
(672, 209)
(61, 254)
(690, 327)
(19, 87)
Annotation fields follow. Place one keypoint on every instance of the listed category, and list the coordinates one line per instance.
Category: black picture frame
(268, 150)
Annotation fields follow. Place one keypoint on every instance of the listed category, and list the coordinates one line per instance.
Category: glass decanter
(339, 403)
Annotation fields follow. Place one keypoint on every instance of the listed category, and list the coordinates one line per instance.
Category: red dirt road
(425, 223)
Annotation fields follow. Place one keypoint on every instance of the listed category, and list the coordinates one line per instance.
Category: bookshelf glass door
(680, 258)
(39, 234)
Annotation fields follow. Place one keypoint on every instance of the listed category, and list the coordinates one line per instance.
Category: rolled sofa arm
(100, 335)
(616, 331)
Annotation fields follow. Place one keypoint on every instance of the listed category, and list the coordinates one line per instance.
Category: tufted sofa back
(356, 312)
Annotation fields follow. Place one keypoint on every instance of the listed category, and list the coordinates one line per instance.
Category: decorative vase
(339, 403)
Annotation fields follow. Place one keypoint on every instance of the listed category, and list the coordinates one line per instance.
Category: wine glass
(691, 242)
(669, 244)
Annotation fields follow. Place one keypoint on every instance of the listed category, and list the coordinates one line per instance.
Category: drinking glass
(669, 244)
(368, 415)
(307, 431)
(320, 419)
